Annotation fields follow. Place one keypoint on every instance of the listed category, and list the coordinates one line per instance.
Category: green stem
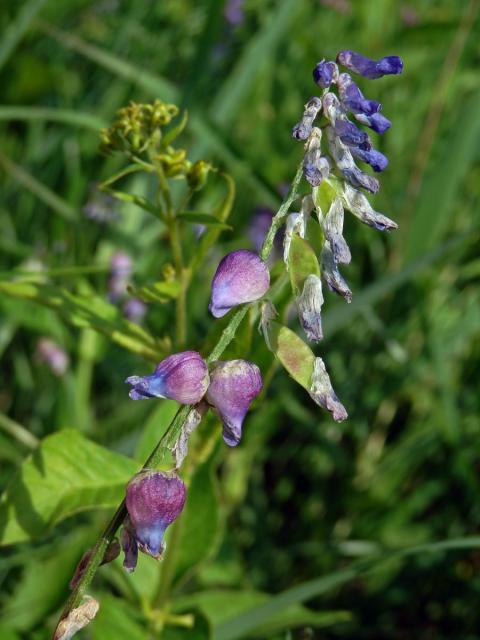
(18, 432)
(171, 435)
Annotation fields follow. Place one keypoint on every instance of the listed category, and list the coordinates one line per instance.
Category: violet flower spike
(154, 500)
(242, 276)
(368, 68)
(234, 384)
(182, 377)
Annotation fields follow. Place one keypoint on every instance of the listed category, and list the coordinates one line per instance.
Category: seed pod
(321, 391)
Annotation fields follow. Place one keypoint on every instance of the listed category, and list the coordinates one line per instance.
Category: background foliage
(359, 530)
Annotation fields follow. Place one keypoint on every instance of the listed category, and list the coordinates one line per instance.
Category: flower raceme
(229, 388)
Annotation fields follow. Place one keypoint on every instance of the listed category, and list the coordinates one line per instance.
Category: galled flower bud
(182, 377)
(374, 158)
(242, 276)
(322, 393)
(295, 224)
(303, 129)
(378, 122)
(77, 619)
(332, 275)
(389, 65)
(325, 73)
(234, 384)
(154, 500)
(268, 313)
(315, 166)
(344, 160)
(332, 225)
(193, 419)
(358, 204)
(353, 99)
(310, 306)
(344, 129)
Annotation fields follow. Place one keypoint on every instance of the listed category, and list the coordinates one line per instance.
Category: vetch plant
(243, 287)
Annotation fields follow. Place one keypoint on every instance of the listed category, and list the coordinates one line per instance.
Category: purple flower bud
(259, 225)
(325, 73)
(134, 310)
(332, 275)
(303, 129)
(240, 277)
(357, 178)
(389, 65)
(154, 500)
(374, 158)
(234, 384)
(121, 264)
(315, 166)
(349, 133)
(49, 352)
(182, 377)
(378, 122)
(353, 99)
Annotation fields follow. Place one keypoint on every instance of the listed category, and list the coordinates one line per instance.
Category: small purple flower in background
(49, 352)
(135, 310)
(182, 377)
(233, 386)
(259, 226)
(100, 207)
(372, 69)
(233, 12)
(120, 271)
(242, 276)
(154, 500)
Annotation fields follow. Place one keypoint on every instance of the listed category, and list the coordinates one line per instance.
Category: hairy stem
(171, 435)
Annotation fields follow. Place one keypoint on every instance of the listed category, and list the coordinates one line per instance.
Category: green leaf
(302, 262)
(140, 201)
(67, 474)
(195, 217)
(34, 597)
(324, 195)
(200, 521)
(221, 606)
(73, 118)
(117, 620)
(296, 356)
(90, 311)
(14, 32)
(161, 292)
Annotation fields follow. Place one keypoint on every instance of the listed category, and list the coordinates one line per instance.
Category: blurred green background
(301, 498)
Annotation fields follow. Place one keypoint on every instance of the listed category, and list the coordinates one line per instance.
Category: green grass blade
(65, 116)
(245, 73)
(243, 624)
(43, 193)
(17, 29)
(342, 314)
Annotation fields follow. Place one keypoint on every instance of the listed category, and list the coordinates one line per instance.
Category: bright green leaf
(302, 262)
(160, 292)
(296, 356)
(67, 474)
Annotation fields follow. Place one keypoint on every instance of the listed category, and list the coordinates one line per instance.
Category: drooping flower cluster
(332, 171)
(155, 499)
